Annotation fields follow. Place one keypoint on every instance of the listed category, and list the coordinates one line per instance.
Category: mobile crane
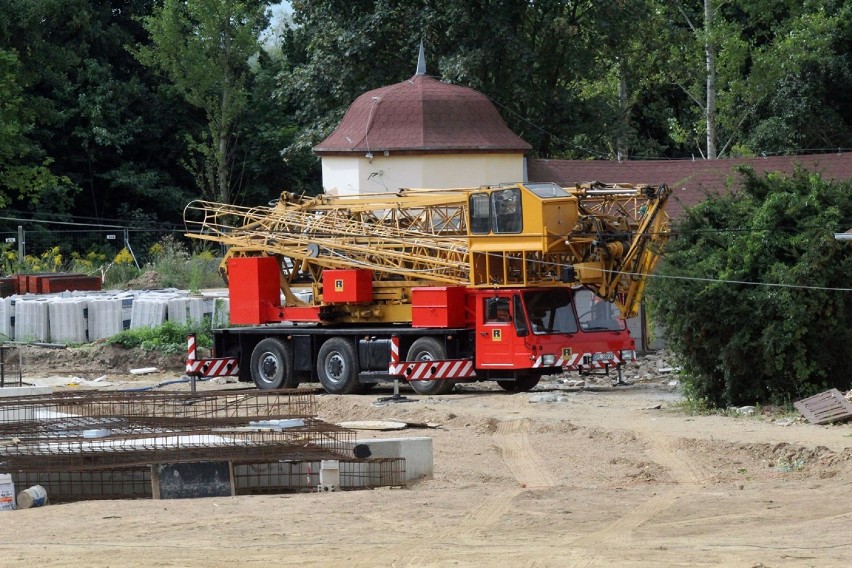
(507, 282)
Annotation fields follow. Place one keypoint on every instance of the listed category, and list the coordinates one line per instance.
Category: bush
(784, 337)
(168, 338)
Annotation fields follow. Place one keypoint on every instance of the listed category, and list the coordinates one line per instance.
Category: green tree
(205, 48)
(108, 129)
(535, 60)
(759, 76)
(783, 337)
(24, 173)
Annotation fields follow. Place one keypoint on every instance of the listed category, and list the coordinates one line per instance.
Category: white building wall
(350, 175)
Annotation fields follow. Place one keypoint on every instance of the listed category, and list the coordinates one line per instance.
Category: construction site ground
(564, 476)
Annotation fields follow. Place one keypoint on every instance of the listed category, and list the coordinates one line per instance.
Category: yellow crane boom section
(607, 236)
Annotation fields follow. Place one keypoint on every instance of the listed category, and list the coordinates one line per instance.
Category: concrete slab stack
(189, 309)
(105, 317)
(32, 320)
(78, 316)
(68, 320)
(150, 310)
(7, 318)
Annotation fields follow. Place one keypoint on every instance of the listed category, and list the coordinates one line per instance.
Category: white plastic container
(7, 492)
(35, 496)
(329, 475)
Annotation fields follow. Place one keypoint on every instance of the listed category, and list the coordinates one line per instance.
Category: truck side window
(497, 310)
(520, 321)
(480, 213)
(506, 205)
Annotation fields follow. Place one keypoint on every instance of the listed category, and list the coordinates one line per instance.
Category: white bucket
(7, 492)
(35, 496)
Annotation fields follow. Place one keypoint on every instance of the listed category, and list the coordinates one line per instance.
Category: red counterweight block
(253, 287)
(347, 286)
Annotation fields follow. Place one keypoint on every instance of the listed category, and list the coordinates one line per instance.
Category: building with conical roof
(420, 133)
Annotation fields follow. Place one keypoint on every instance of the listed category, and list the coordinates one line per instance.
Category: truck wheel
(429, 349)
(272, 365)
(521, 384)
(337, 366)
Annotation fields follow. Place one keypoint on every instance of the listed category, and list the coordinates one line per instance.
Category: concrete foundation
(417, 453)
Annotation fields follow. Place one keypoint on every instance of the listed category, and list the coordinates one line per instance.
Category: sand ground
(604, 477)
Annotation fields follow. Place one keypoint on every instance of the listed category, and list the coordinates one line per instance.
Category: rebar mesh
(102, 445)
(43, 414)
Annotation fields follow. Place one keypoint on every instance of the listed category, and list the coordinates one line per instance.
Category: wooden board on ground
(828, 406)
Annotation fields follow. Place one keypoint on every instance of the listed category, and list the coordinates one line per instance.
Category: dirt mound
(96, 358)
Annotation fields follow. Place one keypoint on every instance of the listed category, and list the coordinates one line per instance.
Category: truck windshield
(596, 314)
(550, 311)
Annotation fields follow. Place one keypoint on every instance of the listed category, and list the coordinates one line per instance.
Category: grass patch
(167, 338)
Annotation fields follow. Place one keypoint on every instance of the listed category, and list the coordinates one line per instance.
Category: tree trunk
(710, 107)
(624, 111)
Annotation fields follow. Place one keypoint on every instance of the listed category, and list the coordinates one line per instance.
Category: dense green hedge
(754, 291)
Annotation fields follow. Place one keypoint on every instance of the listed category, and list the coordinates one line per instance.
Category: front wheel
(337, 366)
(272, 365)
(429, 349)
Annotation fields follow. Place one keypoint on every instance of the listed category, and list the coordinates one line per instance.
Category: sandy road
(603, 479)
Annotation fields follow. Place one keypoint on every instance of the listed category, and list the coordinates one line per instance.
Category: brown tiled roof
(422, 114)
(690, 180)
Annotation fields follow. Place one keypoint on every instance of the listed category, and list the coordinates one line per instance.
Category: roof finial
(421, 61)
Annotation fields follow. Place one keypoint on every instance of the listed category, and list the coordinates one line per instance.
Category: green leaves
(766, 326)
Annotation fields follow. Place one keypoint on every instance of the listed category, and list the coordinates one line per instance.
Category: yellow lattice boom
(606, 236)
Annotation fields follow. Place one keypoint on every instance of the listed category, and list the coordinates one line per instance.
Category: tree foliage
(749, 291)
(89, 132)
(205, 48)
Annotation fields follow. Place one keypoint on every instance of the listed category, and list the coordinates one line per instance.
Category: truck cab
(541, 331)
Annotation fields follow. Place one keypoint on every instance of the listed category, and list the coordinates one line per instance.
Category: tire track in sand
(688, 478)
(512, 440)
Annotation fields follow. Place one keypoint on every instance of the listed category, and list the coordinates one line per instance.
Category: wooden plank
(826, 407)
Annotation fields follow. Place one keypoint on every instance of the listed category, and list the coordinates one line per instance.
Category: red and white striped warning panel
(217, 367)
(220, 367)
(586, 361)
(429, 370)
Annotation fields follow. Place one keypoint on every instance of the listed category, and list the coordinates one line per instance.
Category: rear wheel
(272, 365)
(337, 366)
(429, 349)
(521, 384)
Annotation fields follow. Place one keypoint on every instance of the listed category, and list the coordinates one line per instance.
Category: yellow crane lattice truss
(606, 236)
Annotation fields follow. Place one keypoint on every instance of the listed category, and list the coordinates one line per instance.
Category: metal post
(21, 249)
(127, 246)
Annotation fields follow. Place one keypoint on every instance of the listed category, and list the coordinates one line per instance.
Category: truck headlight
(628, 355)
(548, 360)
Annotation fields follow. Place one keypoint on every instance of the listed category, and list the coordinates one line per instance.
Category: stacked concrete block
(68, 320)
(7, 318)
(188, 309)
(149, 310)
(105, 317)
(32, 319)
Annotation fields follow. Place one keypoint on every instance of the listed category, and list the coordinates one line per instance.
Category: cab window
(497, 310)
(595, 313)
(506, 204)
(480, 213)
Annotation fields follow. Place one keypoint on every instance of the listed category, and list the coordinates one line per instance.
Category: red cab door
(495, 333)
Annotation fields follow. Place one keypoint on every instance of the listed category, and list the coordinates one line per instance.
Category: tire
(429, 349)
(337, 366)
(272, 365)
(521, 384)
